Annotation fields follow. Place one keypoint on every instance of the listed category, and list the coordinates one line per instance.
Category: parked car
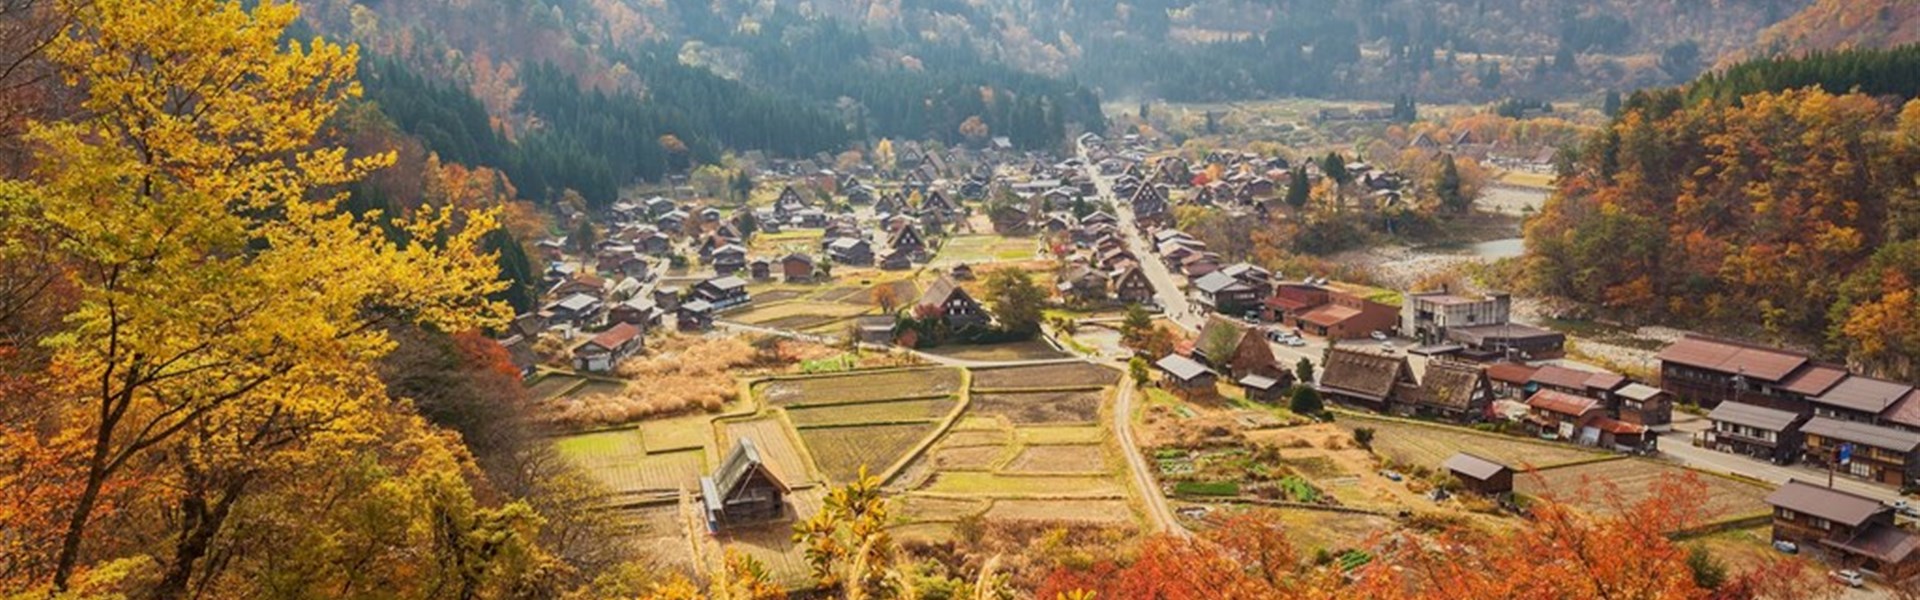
(1391, 475)
(1379, 336)
(1296, 342)
(1848, 576)
(1906, 508)
(1388, 346)
(1786, 547)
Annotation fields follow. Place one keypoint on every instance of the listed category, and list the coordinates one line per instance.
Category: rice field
(871, 412)
(1060, 375)
(1430, 445)
(926, 508)
(1601, 486)
(1106, 512)
(1041, 407)
(775, 445)
(841, 451)
(615, 444)
(1060, 435)
(861, 386)
(552, 385)
(773, 313)
(1083, 458)
(661, 472)
(1010, 351)
(967, 458)
(998, 485)
(677, 433)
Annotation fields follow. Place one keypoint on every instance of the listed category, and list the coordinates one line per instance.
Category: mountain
(1843, 24)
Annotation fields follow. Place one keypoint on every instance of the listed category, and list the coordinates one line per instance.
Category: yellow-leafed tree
(229, 312)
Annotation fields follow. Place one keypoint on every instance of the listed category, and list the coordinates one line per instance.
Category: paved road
(1157, 509)
(1165, 288)
(1678, 445)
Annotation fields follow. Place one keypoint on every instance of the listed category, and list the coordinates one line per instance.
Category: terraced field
(995, 485)
(552, 385)
(1107, 512)
(1042, 407)
(1009, 351)
(1593, 486)
(861, 386)
(1431, 445)
(1065, 374)
(967, 458)
(1084, 458)
(661, 472)
(841, 451)
(871, 412)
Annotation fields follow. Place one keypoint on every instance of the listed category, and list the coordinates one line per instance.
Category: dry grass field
(661, 472)
(871, 412)
(841, 451)
(1430, 445)
(1107, 512)
(1601, 486)
(677, 433)
(967, 458)
(552, 385)
(1065, 374)
(1085, 458)
(1060, 435)
(1027, 350)
(1052, 408)
(1002, 486)
(855, 387)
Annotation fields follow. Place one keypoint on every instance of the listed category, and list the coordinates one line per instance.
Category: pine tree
(1299, 190)
(1336, 167)
(1446, 186)
(1305, 400)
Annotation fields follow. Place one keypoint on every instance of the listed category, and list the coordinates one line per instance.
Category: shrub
(1363, 436)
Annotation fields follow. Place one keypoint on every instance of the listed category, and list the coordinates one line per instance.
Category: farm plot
(927, 508)
(1311, 530)
(1000, 485)
(967, 458)
(587, 449)
(598, 387)
(677, 433)
(1430, 445)
(785, 314)
(1060, 435)
(841, 451)
(1590, 487)
(1083, 458)
(984, 248)
(660, 472)
(1059, 375)
(870, 412)
(1108, 512)
(1009, 351)
(552, 385)
(855, 387)
(780, 295)
(1042, 407)
(772, 543)
(770, 436)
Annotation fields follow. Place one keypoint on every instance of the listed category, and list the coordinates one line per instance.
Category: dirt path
(1157, 510)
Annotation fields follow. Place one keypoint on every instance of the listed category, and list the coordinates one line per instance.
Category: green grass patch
(1206, 488)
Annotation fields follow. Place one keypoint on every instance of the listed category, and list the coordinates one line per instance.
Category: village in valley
(1036, 355)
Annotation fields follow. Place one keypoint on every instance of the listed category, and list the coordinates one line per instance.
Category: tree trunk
(200, 523)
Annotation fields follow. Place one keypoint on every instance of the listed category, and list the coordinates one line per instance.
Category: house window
(1786, 515)
(1822, 524)
(1860, 469)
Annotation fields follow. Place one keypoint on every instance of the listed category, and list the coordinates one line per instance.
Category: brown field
(768, 314)
(996, 485)
(551, 385)
(800, 322)
(1598, 486)
(875, 412)
(668, 471)
(772, 543)
(1066, 374)
(1059, 459)
(967, 458)
(771, 436)
(1430, 445)
(1042, 407)
(677, 433)
(771, 296)
(1027, 350)
(658, 533)
(861, 386)
(977, 437)
(841, 451)
(1078, 511)
(926, 508)
(1315, 529)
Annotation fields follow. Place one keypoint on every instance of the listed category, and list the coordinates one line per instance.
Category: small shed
(1184, 373)
(1480, 475)
(1262, 388)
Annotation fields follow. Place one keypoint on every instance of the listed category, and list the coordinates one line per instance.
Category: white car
(1388, 346)
(1906, 508)
(1848, 576)
(1379, 337)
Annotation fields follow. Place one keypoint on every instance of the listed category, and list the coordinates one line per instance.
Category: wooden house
(1185, 375)
(743, 491)
(1130, 284)
(1454, 391)
(1854, 531)
(954, 305)
(1480, 475)
(605, 351)
(796, 268)
(1365, 379)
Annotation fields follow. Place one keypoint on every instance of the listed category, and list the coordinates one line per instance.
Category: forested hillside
(1793, 211)
(1843, 24)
